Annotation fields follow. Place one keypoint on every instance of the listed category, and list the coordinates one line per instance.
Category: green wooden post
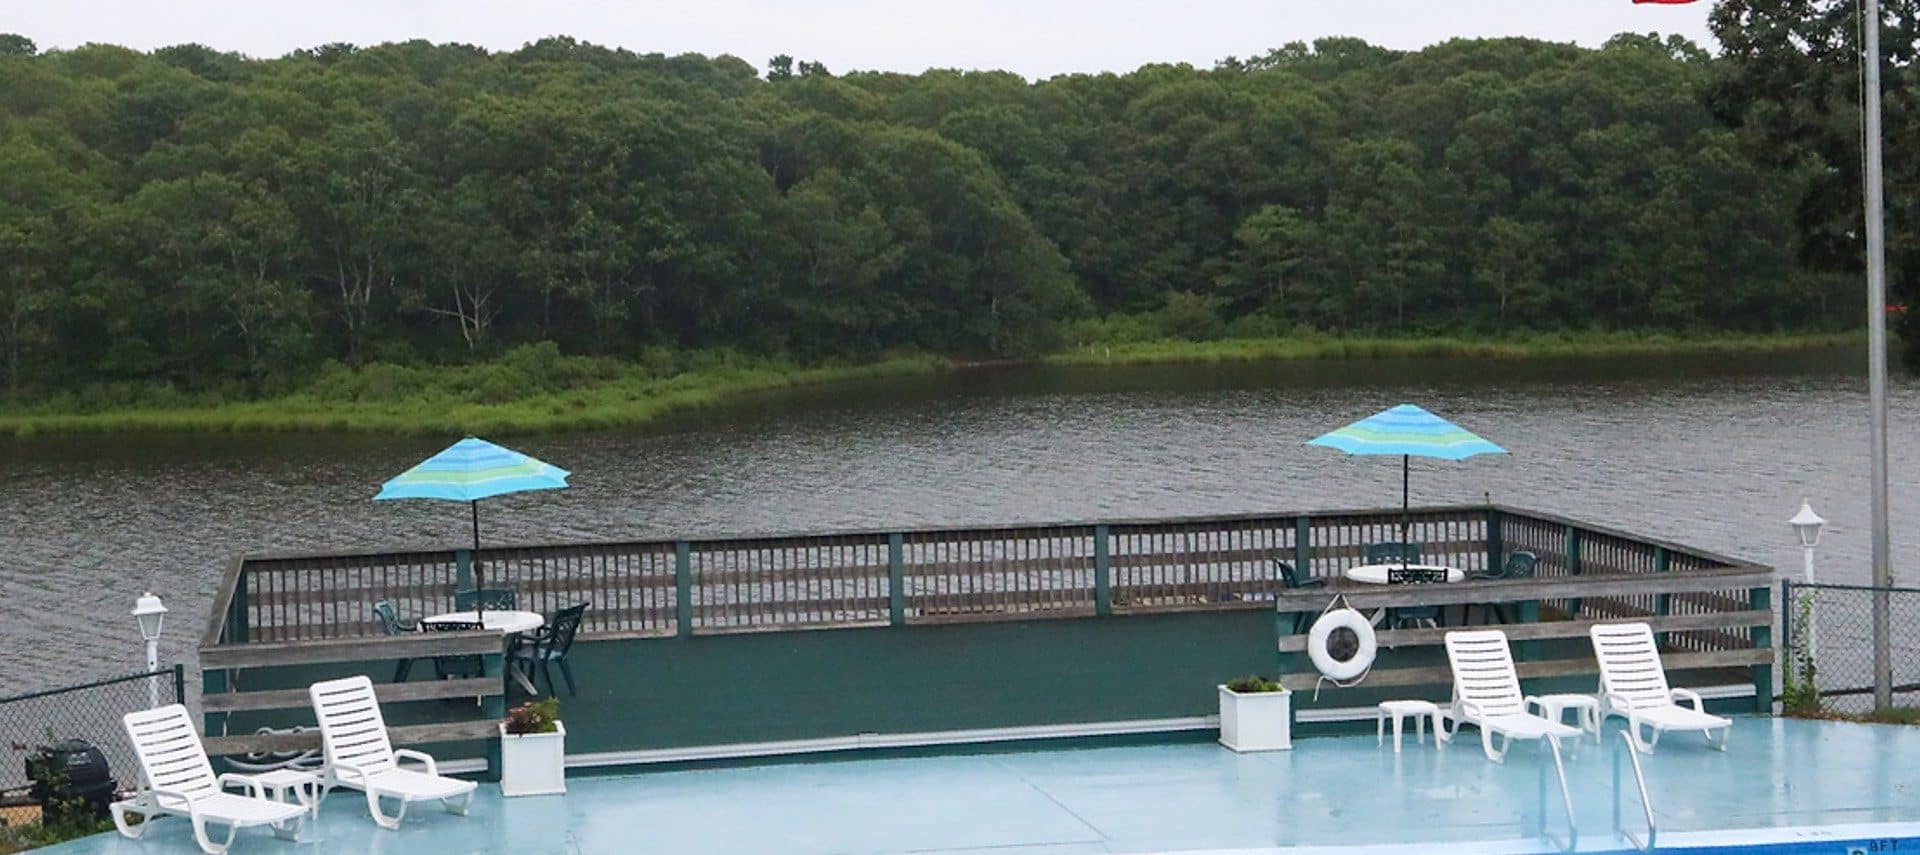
(1102, 570)
(1662, 603)
(683, 587)
(463, 569)
(213, 681)
(1303, 546)
(1573, 568)
(896, 580)
(1283, 622)
(1496, 543)
(1762, 598)
(494, 707)
(237, 621)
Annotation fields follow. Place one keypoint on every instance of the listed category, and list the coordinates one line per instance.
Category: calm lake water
(1711, 451)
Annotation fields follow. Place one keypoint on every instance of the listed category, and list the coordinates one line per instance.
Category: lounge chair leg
(465, 803)
(1641, 743)
(1379, 728)
(1486, 744)
(289, 829)
(390, 823)
(1721, 744)
(206, 844)
(131, 832)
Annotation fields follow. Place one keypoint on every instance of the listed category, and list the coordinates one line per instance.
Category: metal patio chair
(1293, 580)
(548, 646)
(497, 599)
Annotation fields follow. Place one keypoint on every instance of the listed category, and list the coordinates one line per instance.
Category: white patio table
(504, 621)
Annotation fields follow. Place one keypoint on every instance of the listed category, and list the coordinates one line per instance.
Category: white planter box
(1259, 721)
(533, 764)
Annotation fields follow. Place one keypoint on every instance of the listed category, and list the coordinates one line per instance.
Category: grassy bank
(515, 395)
(1529, 346)
(536, 388)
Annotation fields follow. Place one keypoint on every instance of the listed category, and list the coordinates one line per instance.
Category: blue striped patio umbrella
(468, 471)
(1409, 432)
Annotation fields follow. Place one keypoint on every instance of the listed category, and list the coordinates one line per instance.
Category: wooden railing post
(1573, 568)
(1761, 597)
(896, 579)
(1662, 603)
(1496, 543)
(1102, 570)
(683, 588)
(1303, 546)
(463, 569)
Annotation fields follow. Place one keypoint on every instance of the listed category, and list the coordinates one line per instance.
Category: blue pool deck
(1819, 782)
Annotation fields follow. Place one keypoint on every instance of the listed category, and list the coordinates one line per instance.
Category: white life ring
(1323, 629)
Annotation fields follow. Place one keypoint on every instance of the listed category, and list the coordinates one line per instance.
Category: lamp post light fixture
(151, 613)
(1807, 525)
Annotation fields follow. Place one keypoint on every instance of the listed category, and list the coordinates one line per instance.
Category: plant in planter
(533, 750)
(1256, 714)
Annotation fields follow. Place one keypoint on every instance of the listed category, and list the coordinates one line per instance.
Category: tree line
(203, 220)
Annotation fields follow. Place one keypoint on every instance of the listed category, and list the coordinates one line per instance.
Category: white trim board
(1327, 715)
(863, 741)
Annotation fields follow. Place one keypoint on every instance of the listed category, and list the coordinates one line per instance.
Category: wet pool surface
(1825, 779)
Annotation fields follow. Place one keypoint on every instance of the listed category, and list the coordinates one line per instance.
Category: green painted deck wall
(674, 692)
(709, 690)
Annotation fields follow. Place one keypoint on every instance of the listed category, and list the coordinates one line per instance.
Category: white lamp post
(151, 613)
(1807, 525)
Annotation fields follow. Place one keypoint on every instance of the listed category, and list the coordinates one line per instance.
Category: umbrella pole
(479, 581)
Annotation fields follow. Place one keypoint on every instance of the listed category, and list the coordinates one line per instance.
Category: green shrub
(1252, 684)
(534, 717)
(1189, 316)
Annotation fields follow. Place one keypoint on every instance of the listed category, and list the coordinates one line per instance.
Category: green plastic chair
(1520, 564)
(498, 599)
(390, 624)
(548, 646)
(1293, 580)
(1391, 552)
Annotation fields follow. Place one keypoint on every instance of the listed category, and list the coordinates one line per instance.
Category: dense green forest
(198, 220)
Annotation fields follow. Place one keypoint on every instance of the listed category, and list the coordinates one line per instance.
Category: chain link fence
(90, 712)
(1827, 634)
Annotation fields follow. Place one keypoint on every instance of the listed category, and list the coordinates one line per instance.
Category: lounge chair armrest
(1611, 701)
(161, 797)
(351, 771)
(252, 785)
(1469, 710)
(400, 754)
(1690, 696)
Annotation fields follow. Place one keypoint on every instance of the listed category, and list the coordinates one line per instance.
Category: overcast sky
(1036, 38)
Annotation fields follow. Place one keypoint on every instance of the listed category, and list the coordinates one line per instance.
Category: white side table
(1399, 710)
(302, 787)
(1586, 707)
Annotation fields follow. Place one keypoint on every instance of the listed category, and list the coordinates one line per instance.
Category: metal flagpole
(1877, 352)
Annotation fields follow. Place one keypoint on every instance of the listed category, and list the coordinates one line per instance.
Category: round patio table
(503, 620)
(1377, 574)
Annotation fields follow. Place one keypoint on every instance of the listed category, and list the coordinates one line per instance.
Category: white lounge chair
(175, 778)
(1486, 694)
(358, 756)
(1633, 684)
